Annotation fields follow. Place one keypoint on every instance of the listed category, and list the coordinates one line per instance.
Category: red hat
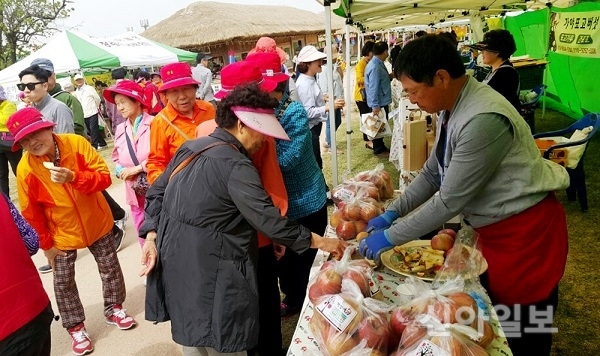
(176, 75)
(239, 73)
(269, 65)
(127, 88)
(268, 45)
(24, 122)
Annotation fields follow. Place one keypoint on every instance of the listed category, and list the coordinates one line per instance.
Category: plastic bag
(375, 126)
(351, 188)
(352, 216)
(428, 335)
(329, 278)
(380, 178)
(349, 324)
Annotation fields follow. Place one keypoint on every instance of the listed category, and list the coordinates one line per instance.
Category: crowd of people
(227, 189)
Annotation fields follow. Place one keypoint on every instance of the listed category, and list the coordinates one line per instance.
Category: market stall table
(304, 343)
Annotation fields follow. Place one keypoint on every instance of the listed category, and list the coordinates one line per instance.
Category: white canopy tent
(378, 15)
(72, 52)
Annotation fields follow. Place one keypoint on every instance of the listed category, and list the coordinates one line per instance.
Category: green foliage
(22, 20)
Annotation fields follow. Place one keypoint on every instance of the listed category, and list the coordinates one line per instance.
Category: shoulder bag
(141, 184)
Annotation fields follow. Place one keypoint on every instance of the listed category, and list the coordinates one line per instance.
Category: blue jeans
(338, 122)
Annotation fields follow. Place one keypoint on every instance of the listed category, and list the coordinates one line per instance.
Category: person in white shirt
(203, 75)
(90, 100)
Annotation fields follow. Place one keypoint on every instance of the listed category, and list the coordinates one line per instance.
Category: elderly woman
(209, 235)
(132, 144)
(303, 180)
(177, 122)
(311, 97)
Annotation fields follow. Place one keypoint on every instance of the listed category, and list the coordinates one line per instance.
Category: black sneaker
(45, 269)
(118, 234)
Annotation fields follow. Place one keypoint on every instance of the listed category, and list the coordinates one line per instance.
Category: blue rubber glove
(373, 246)
(383, 221)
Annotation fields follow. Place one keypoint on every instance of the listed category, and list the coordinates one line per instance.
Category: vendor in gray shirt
(486, 166)
(34, 83)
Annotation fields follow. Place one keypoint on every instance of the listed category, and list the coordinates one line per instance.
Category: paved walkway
(144, 339)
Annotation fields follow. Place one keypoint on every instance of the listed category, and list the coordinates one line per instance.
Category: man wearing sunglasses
(34, 83)
(57, 92)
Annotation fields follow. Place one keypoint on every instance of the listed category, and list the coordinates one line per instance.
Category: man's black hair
(421, 58)
(380, 47)
(39, 73)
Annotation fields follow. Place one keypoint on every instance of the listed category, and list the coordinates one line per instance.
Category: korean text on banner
(575, 33)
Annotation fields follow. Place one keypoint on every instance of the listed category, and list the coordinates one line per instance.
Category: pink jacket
(141, 147)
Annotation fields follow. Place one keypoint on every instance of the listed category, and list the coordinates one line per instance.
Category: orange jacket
(165, 140)
(265, 161)
(72, 215)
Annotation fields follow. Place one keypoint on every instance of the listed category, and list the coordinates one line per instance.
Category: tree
(22, 20)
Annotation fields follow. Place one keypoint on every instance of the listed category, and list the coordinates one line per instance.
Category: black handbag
(6, 142)
(141, 184)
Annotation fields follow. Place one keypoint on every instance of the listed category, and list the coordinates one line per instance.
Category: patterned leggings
(113, 285)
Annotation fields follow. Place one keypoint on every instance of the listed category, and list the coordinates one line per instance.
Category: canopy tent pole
(330, 102)
(348, 98)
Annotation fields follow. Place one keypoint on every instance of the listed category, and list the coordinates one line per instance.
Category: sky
(111, 17)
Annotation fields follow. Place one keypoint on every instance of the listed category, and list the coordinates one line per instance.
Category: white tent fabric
(72, 51)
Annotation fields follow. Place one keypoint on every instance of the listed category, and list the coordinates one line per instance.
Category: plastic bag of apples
(350, 188)
(332, 273)
(352, 216)
(427, 335)
(349, 324)
(380, 178)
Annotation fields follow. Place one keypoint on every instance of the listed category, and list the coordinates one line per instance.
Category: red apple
(374, 330)
(488, 332)
(360, 279)
(450, 232)
(360, 225)
(368, 212)
(327, 264)
(412, 334)
(466, 307)
(352, 211)
(443, 310)
(442, 242)
(448, 343)
(399, 319)
(339, 343)
(346, 230)
(329, 281)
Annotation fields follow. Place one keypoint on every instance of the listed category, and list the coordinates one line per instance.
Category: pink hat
(127, 88)
(176, 75)
(261, 120)
(24, 122)
(269, 65)
(239, 73)
(268, 45)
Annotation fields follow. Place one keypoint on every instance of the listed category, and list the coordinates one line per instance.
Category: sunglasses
(30, 86)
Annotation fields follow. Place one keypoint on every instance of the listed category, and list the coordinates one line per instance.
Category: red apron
(526, 253)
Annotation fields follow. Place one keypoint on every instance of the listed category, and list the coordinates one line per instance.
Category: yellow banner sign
(575, 33)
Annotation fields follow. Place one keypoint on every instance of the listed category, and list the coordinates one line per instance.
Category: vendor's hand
(130, 172)
(334, 246)
(339, 103)
(279, 250)
(376, 111)
(373, 246)
(149, 254)
(52, 253)
(382, 221)
(61, 175)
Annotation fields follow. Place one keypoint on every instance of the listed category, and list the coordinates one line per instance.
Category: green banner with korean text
(575, 33)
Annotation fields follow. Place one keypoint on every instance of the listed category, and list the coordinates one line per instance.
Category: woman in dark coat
(204, 218)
